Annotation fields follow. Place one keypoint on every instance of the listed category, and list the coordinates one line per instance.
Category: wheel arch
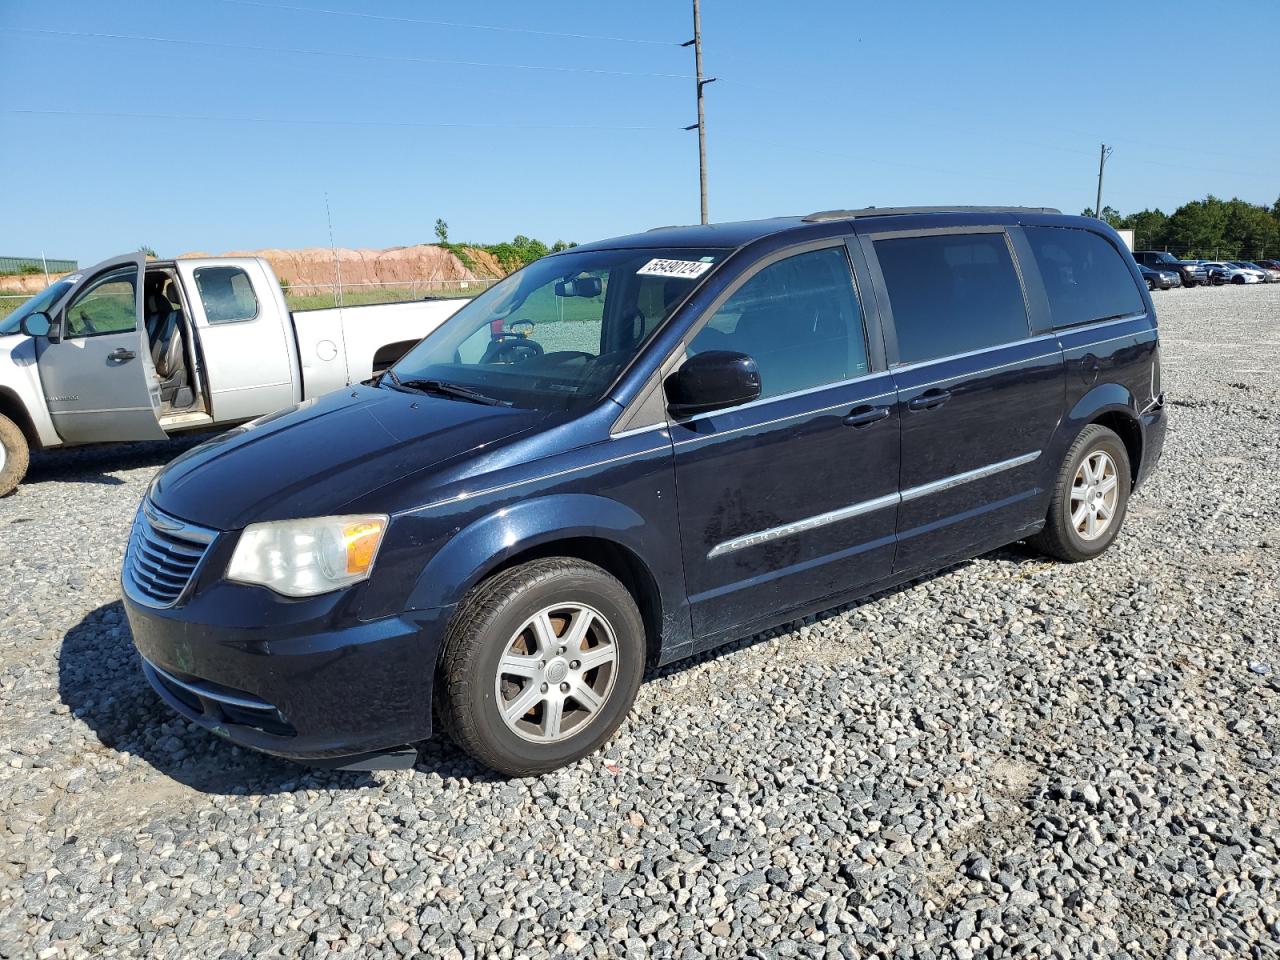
(586, 527)
(1112, 406)
(615, 559)
(12, 407)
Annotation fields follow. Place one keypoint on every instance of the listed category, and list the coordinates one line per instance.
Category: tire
(1239, 280)
(15, 456)
(1060, 537)
(495, 623)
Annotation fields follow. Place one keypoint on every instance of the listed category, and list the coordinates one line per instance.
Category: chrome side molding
(867, 506)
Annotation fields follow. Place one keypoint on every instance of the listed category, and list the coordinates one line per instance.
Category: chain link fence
(1223, 251)
(318, 296)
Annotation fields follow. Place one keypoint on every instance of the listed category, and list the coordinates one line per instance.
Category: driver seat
(168, 354)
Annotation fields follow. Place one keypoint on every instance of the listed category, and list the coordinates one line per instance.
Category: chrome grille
(163, 555)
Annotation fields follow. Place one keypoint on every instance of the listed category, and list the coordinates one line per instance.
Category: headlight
(303, 558)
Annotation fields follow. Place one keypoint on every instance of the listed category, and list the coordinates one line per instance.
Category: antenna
(337, 264)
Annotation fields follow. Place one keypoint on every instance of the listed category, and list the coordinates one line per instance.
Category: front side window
(952, 293)
(106, 305)
(798, 319)
(558, 332)
(226, 294)
(1084, 276)
(40, 303)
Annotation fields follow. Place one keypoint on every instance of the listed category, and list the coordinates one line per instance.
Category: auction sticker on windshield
(658, 267)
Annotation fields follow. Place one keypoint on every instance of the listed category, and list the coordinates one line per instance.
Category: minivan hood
(313, 459)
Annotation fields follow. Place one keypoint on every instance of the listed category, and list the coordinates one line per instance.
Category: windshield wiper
(455, 390)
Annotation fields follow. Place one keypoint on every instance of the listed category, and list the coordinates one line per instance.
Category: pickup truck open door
(245, 335)
(95, 368)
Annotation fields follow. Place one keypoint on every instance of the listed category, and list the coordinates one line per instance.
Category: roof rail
(822, 215)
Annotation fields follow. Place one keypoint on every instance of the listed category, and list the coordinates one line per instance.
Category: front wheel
(1089, 499)
(541, 665)
(15, 456)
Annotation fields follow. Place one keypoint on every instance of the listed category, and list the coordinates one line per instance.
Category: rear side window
(952, 293)
(1085, 277)
(798, 319)
(226, 293)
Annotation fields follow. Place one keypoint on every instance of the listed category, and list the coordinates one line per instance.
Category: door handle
(120, 355)
(864, 416)
(929, 399)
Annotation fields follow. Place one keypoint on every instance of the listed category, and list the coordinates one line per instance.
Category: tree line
(512, 254)
(1211, 228)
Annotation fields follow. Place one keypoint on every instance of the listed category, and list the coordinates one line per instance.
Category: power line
(219, 44)
(478, 125)
(448, 23)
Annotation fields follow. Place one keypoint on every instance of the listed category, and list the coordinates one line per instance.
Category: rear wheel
(15, 456)
(1089, 499)
(542, 663)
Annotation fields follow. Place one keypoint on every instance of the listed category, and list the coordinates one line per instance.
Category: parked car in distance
(1159, 279)
(637, 450)
(1252, 268)
(1191, 272)
(137, 349)
(1220, 272)
(1272, 267)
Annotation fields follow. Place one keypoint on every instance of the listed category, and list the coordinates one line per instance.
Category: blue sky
(819, 104)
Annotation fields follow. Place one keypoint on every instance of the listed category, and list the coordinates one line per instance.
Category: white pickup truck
(139, 350)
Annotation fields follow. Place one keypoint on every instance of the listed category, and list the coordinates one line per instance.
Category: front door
(979, 397)
(790, 499)
(98, 380)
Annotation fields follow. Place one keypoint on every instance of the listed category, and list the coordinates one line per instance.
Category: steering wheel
(87, 323)
(509, 347)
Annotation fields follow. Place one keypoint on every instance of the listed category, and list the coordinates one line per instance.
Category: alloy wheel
(1095, 494)
(556, 672)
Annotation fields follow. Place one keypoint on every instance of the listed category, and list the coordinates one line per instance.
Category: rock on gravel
(1014, 758)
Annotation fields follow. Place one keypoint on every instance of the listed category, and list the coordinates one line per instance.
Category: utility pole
(701, 125)
(1102, 162)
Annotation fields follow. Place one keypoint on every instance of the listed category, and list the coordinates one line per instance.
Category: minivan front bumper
(292, 678)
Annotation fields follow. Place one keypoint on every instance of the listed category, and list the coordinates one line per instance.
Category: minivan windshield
(42, 301)
(557, 333)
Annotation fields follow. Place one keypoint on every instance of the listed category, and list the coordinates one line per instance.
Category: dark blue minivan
(633, 451)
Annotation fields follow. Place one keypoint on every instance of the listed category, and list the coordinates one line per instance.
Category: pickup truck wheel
(1089, 499)
(541, 665)
(15, 456)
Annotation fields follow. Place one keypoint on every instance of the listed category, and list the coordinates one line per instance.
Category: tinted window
(1085, 277)
(107, 305)
(227, 294)
(952, 293)
(798, 319)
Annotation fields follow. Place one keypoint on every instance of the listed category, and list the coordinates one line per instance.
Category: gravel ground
(1013, 758)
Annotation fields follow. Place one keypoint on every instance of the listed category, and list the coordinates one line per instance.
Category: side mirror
(712, 381)
(36, 325)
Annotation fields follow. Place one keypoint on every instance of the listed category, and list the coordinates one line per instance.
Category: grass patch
(323, 300)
